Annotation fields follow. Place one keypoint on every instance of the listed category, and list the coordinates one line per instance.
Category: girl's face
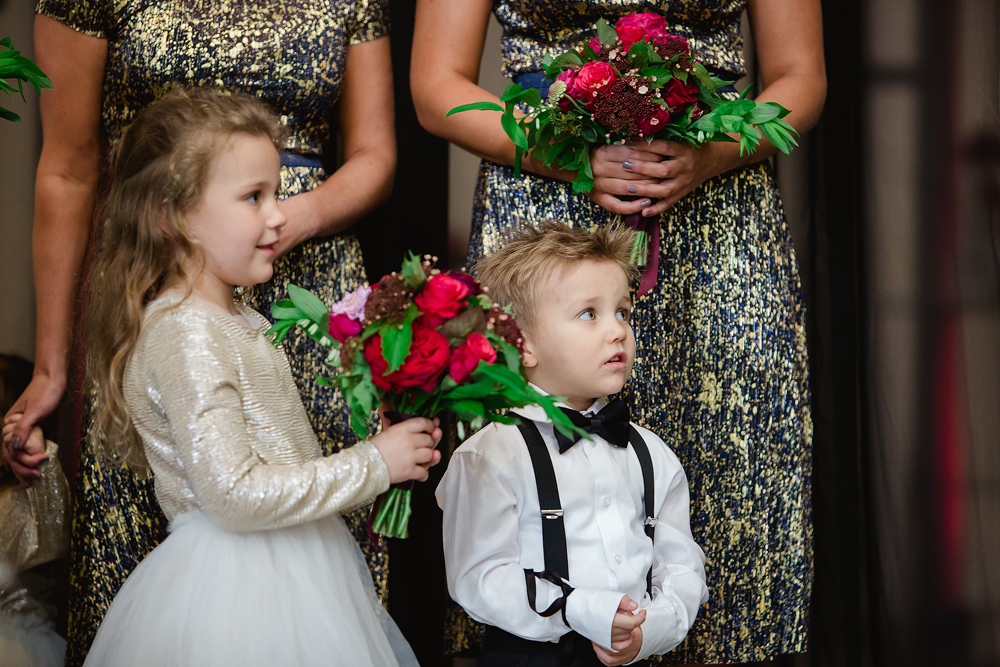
(237, 221)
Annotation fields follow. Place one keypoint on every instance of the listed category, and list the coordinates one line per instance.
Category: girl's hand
(29, 453)
(408, 448)
(39, 400)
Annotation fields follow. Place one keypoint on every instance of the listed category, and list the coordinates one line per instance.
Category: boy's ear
(528, 357)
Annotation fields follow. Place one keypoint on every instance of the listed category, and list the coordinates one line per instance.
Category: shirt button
(618, 558)
(607, 502)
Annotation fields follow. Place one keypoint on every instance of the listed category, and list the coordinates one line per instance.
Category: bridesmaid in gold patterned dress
(110, 59)
(721, 369)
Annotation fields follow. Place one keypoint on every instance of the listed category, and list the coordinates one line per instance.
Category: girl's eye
(253, 197)
(587, 315)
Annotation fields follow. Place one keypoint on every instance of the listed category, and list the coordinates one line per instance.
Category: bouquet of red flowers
(633, 81)
(420, 342)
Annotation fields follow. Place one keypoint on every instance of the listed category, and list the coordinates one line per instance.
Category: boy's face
(581, 344)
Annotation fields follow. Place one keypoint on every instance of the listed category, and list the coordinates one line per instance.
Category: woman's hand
(659, 173)
(304, 221)
(23, 456)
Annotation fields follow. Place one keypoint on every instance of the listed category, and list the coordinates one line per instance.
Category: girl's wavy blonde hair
(159, 168)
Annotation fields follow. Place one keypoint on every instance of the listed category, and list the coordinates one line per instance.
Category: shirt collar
(536, 413)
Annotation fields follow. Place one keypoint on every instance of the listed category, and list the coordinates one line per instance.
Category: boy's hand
(408, 448)
(24, 460)
(626, 634)
(626, 654)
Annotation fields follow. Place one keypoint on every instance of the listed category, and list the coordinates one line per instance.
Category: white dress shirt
(493, 532)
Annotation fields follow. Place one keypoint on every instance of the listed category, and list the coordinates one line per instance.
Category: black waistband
(571, 646)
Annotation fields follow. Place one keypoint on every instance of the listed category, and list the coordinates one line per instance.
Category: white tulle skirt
(294, 596)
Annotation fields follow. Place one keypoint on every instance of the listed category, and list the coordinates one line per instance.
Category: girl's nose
(277, 218)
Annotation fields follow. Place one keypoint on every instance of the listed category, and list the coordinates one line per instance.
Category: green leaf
(396, 345)
(7, 114)
(475, 106)
(511, 92)
(468, 406)
(6, 41)
(606, 34)
(761, 113)
(309, 304)
(514, 131)
(413, 270)
(286, 310)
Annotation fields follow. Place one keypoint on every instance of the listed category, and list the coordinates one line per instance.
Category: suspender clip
(650, 521)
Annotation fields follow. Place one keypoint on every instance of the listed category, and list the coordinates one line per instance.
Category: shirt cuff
(661, 631)
(591, 612)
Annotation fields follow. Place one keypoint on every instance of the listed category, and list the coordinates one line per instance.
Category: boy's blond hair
(515, 272)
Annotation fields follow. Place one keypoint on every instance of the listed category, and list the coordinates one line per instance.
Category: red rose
(568, 77)
(595, 44)
(594, 77)
(630, 34)
(679, 95)
(475, 289)
(654, 122)
(646, 26)
(442, 298)
(343, 327)
(427, 358)
(467, 356)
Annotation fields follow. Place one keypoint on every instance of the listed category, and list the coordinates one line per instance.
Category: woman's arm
(788, 35)
(64, 199)
(368, 131)
(443, 75)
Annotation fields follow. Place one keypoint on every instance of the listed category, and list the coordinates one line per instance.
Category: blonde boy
(602, 569)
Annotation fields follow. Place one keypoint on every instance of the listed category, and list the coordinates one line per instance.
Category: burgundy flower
(467, 356)
(428, 357)
(343, 327)
(475, 289)
(679, 95)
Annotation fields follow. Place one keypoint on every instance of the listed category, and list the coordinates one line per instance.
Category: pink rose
(441, 299)
(343, 327)
(648, 26)
(594, 77)
(467, 356)
(569, 78)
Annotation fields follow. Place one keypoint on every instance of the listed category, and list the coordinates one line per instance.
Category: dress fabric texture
(259, 568)
(291, 55)
(721, 363)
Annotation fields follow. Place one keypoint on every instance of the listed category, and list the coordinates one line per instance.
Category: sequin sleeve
(370, 21)
(91, 17)
(242, 476)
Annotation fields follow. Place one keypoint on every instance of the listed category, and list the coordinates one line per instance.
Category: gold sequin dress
(721, 368)
(292, 55)
(259, 569)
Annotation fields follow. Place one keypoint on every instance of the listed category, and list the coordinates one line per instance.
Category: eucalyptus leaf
(309, 304)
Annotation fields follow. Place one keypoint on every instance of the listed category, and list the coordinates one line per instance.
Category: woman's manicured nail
(632, 189)
(16, 442)
(644, 203)
(626, 164)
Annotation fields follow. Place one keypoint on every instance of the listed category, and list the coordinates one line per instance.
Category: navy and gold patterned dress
(721, 367)
(292, 55)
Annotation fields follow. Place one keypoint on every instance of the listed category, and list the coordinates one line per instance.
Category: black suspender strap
(648, 499)
(553, 529)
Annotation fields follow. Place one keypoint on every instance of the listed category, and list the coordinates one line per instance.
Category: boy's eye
(623, 315)
(587, 315)
(253, 197)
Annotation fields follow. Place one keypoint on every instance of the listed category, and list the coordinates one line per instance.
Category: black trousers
(502, 649)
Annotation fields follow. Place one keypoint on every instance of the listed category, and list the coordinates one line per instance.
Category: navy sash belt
(290, 159)
(538, 81)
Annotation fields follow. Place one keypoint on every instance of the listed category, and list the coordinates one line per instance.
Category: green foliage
(21, 69)
(413, 271)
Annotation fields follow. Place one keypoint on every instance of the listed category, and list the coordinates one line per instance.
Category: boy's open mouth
(617, 359)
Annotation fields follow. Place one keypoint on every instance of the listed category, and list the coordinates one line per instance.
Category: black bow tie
(611, 423)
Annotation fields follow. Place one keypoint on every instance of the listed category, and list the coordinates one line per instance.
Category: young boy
(603, 569)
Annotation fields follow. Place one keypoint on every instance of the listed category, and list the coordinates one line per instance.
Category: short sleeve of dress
(91, 17)
(370, 21)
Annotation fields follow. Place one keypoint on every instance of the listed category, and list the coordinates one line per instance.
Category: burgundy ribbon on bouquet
(651, 226)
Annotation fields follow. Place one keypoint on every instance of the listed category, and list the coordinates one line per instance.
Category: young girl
(258, 568)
